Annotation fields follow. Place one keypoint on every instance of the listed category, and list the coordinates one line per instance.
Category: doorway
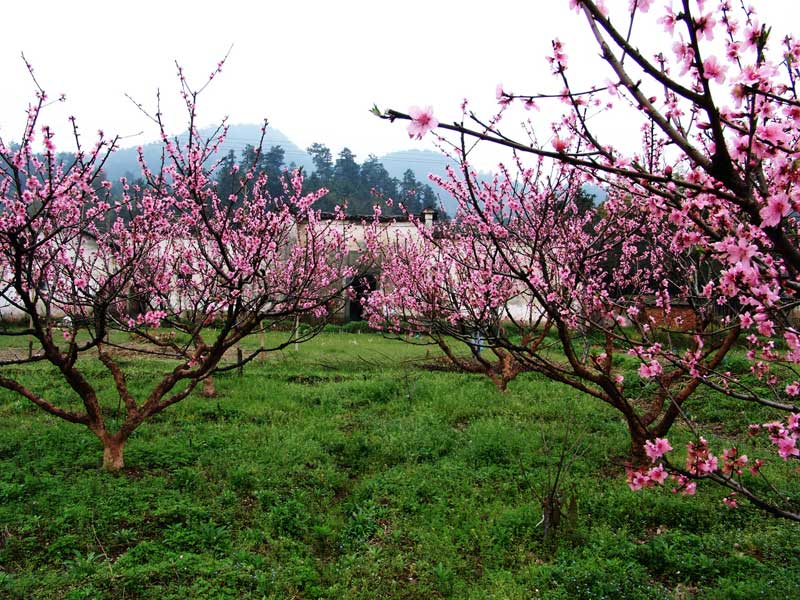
(362, 286)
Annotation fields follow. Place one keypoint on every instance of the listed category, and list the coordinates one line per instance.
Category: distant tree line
(356, 186)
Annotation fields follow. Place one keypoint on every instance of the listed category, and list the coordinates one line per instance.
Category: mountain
(424, 163)
(598, 194)
(125, 163)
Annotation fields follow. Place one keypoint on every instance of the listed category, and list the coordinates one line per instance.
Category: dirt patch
(442, 363)
(314, 379)
(7, 354)
(131, 350)
(133, 472)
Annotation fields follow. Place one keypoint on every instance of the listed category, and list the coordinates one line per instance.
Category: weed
(343, 471)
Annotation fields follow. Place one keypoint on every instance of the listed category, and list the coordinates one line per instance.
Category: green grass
(342, 471)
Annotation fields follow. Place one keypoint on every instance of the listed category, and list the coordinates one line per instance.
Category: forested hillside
(358, 185)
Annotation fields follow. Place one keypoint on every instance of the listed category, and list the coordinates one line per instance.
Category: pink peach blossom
(422, 121)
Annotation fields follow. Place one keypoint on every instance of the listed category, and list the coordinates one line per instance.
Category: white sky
(314, 68)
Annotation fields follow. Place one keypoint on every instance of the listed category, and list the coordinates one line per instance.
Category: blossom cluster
(695, 243)
(784, 435)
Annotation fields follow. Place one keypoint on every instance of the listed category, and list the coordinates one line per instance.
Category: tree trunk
(113, 455)
(500, 382)
(209, 389)
(639, 436)
(638, 456)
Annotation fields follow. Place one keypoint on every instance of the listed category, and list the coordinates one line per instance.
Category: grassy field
(344, 471)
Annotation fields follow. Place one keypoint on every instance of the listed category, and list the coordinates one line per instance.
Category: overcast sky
(312, 68)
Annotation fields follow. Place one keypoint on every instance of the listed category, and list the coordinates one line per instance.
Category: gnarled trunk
(639, 436)
(209, 389)
(113, 450)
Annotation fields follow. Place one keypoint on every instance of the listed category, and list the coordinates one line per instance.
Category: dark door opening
(362, 286)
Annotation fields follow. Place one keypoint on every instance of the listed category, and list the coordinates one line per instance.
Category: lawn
(343, 470)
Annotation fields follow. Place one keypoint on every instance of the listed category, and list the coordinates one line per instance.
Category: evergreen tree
(363, 186)
(428, 198)
(345, 184)
(226, 179)
(410, 191)
(271, 163)
(322, 177)
(323, 163)
(377, 184)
